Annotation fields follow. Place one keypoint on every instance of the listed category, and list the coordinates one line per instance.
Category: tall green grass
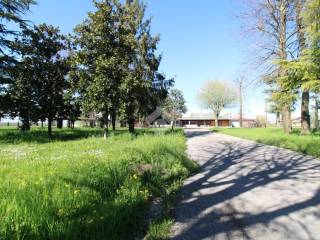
(308, 144)
(81, 186)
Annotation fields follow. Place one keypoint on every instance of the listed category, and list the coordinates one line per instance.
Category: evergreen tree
(11, 11)
(42, 49)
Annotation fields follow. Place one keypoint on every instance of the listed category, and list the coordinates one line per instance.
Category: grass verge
(81, 186)
(308, 144)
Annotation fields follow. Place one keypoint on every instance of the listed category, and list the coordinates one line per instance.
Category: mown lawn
(275, 136)
(80, 186)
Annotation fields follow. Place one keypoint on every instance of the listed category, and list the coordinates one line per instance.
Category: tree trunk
(172, 125)
(277, 119)
(217, 120)
(50, 128)
(316, 114)
(113, 119)
(42, 123)
(286, 115)
(305, 115)
(59, 123)
(25, 124)
(105, 124)
(283, 55)
(131, 120)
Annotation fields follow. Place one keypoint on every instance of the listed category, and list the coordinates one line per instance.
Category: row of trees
(109, 65)
(287, 33)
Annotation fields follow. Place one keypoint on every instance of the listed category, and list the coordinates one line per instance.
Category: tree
(143, 59)
(115, 62)
(272, 24)
(304, 69)
(174, 106)
(10, 12)
(217, 95)
(240, 81)
(261, 121)
(101, 62)
(44, 83)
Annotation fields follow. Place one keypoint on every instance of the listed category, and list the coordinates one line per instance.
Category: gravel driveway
(247, 190)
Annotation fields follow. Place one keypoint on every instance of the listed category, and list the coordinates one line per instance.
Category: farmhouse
(207, 119)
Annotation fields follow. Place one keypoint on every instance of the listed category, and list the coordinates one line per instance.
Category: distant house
(208, 120)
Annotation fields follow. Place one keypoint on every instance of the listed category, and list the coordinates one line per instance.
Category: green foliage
(174, 105)
(115, 62)
(37, 91)
(217, 95)
(11, 11)
(274, 136)
(87, 188)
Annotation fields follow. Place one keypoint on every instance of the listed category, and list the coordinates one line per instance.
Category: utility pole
(241, 102)
(266, 106)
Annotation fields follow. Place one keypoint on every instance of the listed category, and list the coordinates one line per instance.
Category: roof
(210, 116)
(202, 116)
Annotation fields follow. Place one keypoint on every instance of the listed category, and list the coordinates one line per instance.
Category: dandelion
(76, 191)
(60, 212)
(135, 176)
(67, 185)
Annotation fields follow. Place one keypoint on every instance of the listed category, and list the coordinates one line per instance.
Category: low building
(208, 120)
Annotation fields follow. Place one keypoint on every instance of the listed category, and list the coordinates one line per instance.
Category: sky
(200, 41)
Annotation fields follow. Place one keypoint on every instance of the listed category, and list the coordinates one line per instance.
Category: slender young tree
(174, 106)
(216, 96)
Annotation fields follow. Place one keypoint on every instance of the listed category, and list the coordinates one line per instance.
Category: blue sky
(200, 41)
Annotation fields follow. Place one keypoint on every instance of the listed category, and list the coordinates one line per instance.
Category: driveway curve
(247, 190)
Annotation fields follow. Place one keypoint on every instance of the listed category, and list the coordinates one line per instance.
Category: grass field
(275, 136)
(80, 186)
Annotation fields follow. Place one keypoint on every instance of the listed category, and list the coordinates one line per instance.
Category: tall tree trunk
(216, 120)
(42, 123)
(283, 55)
(113, 119)
(105, 124)
(131, 124)
(305, 115)
(50, 127)
(277, 119)
(316, 114)
(286, 115)
(131, 120)
(59, 123)
(25, 124)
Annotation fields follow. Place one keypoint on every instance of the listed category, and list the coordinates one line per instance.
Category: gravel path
(247, 190)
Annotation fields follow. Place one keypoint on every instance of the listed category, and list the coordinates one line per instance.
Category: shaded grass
(274, 136)
(86, 188)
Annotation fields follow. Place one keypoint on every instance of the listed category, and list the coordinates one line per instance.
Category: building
(208, 120)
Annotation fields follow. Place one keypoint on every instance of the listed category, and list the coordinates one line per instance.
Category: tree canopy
(216, 96)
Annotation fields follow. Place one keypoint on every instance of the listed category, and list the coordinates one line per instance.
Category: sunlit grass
(81, 186)
(309, 144)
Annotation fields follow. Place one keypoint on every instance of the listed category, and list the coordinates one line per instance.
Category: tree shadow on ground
(206, 207)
